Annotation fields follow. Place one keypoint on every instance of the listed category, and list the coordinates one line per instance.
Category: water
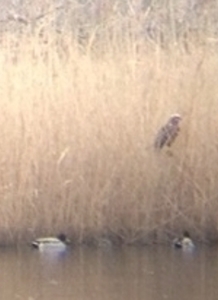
(150, 273)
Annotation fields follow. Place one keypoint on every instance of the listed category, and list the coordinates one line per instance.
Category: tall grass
(77, 132)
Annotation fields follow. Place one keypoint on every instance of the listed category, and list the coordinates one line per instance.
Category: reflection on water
(128, 273)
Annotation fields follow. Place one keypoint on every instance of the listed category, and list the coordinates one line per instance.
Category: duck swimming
(51, 243)
(185, 242)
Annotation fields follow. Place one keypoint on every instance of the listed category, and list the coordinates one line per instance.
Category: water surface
(150, 273)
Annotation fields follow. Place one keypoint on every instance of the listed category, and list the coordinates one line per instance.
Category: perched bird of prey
(167, 134)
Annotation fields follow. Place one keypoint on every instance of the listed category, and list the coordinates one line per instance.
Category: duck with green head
(51, 243)
(185, 242)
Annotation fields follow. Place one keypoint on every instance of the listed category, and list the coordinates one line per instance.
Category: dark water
(128, 273)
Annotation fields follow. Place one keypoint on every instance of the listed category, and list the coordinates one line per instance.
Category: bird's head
(175, 119)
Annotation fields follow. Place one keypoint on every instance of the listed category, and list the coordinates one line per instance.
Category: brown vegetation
(77, 131)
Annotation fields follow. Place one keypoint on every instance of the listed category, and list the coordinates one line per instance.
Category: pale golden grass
(77, 133)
